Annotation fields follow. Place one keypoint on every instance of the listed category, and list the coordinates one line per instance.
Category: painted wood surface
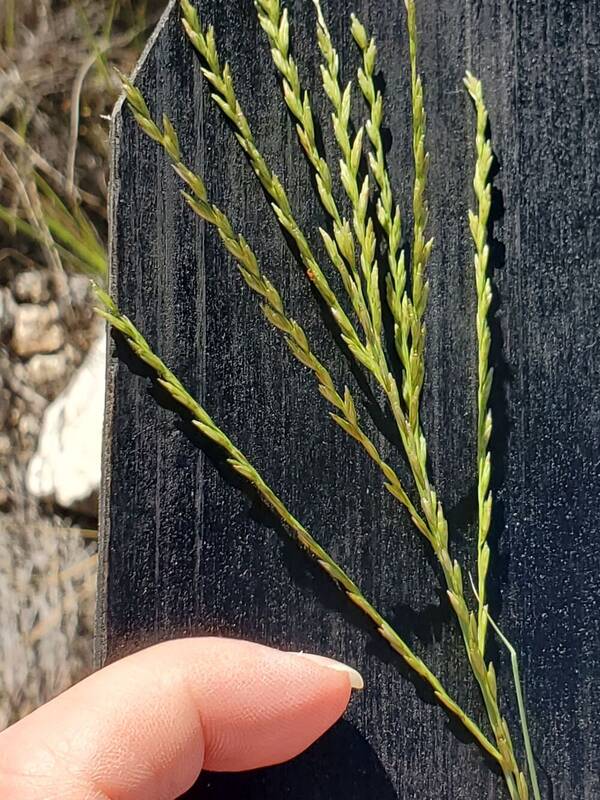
(184, 548)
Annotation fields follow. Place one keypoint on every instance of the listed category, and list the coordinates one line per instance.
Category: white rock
(66, 466)
(31, 287)
(36, 330)
(44, 369)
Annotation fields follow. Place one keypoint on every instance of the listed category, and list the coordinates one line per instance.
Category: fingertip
(278, 704)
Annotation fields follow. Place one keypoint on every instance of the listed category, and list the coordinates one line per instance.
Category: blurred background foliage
(57, 89)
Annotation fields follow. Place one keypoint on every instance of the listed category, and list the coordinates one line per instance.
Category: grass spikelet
(274, 22)
(421, 249)
(357, 193)
(388, 213)
(478, 223)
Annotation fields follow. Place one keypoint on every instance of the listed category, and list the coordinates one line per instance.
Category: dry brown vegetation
(57, 88)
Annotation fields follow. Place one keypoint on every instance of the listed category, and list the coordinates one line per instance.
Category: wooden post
(184, 551)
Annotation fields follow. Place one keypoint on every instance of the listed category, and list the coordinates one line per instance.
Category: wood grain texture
(184, 551)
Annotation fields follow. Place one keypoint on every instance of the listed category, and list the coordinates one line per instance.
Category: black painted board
(185, 550)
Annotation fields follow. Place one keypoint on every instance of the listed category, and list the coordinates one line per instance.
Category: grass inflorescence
(353, 251)
(238, 462)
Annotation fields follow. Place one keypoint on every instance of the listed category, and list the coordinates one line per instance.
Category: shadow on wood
(360, 775)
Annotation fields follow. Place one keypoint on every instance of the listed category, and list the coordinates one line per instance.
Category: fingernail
(356, 679)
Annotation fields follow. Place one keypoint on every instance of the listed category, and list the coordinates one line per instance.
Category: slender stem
(240, 463)
(514, 660)
(478, 222)
(9, 24)
(522, 712)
